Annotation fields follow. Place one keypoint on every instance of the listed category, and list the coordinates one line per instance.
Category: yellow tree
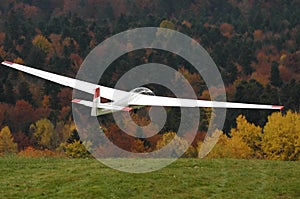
(77, 149)
(226, 147)
(245, 141)
(43, 132)
(42, 43)
(281, 139)
(64, 130)
(165, 34)
(167, 24)
(176, 144)
(138, 146)
(7, 144)
(248, 133)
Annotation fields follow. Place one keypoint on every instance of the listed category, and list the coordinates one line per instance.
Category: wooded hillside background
(255, 44)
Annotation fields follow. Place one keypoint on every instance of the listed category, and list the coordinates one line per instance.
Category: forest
(255, 45)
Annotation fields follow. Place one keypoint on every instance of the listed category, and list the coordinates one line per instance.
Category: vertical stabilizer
(96, 101)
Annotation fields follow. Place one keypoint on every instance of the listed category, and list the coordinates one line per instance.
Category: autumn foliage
(42, 43)
(233, 147)
(178, 146)
(281, 138)
(7, 144)
(77, 149)
(278, 140)
(31, 152)
(255, 45)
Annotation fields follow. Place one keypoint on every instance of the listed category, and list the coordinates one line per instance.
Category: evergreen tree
(73, 137)
(36, 57)
(290, 95)
(9, 93)
(245, 59)
(2, 97)
(24, 92)
(275, 76)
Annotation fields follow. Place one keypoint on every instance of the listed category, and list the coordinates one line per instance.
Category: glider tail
(96, 101)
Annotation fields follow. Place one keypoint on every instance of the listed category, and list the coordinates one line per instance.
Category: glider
(127, 101)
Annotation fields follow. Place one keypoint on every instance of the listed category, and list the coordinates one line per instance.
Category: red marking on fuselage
(97, 93)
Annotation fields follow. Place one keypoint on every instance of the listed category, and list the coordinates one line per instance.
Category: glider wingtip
(127, 109)
(278, 107)
(76, 100)
(6, 63)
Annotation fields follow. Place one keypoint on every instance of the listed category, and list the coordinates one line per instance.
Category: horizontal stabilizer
(108, 106)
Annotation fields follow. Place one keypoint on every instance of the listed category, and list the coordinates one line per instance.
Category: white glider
(126, 101)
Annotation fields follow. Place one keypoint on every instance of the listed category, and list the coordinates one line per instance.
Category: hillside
(255, 45)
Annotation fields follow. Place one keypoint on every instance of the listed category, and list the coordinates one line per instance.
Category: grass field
(186, 178)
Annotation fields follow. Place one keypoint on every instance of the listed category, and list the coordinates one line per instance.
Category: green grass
(186, 178)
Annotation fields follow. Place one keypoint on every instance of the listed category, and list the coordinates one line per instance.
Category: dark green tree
(2, 97)
(275, 78)
(24, 92)
(290, 95)
(246, 56)
(73, 137)
(36, 57)
(9, 93)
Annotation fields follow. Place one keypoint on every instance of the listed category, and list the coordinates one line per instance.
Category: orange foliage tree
(227, 30)
(22, 140)
(65, 96)
(258, 35)
(31, 152)
(22, 115)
